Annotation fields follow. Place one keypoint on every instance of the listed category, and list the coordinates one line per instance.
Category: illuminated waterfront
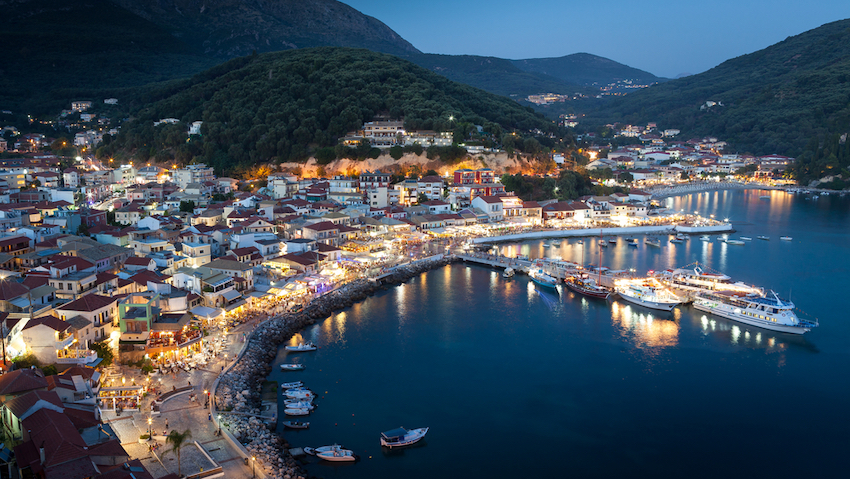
(497, 368)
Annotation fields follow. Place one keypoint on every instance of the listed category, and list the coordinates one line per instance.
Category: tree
(177, 441)
(82, 182)
(396, 152)
(83, 230)
(422, 198)
(104, 352)
(187, 206)
(684, 175)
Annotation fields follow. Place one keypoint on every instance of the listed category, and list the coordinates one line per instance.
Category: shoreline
(239, 388)
(592, 232)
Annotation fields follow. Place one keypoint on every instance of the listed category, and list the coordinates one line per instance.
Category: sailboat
(584, 285)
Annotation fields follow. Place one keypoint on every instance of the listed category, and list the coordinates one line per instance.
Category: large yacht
(695, 279)
(764, 311)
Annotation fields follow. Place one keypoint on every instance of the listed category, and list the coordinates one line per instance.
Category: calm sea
(517, 382)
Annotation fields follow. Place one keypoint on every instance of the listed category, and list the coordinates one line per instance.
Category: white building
(198, 173)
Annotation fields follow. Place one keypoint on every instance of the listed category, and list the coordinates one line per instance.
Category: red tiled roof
(136, 261)
(88, 303)
(10, 289)
(21, 380)
(50, 321)
(323, 226)
(21, 404)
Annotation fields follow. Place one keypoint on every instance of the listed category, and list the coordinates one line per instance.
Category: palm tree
(177, 441)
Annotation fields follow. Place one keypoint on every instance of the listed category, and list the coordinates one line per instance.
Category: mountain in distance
(775, 100)
(233, 28)
(59, 50)
(586, 69)
(284, 106)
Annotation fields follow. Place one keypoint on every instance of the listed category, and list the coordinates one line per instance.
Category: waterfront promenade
(627, 230)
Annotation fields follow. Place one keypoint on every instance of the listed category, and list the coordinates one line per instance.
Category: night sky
(663, 37)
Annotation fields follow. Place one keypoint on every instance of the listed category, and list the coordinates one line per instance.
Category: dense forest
(284, 106)
(775, 100)
(825, 157)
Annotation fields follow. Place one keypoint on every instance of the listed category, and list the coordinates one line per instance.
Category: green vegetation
(104, 352)
(568, 185)
(285, 106)
(177, 441)
(585, 69)
(822, 158)
(187, 206)
(773, 101)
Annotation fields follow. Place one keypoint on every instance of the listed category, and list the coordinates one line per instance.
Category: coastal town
(137, 294)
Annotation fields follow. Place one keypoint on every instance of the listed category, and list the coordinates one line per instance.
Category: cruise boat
(509, 273)
(763, 311)
(587, 287)
(653, 242)
(302, 347)
(543, 279)
(695, 279)
(401, 437)
(647, 292)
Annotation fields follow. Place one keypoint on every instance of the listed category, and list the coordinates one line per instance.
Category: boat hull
(728, 312)
(648, 304)
(587, 292)
(415, 436)
(545, 284)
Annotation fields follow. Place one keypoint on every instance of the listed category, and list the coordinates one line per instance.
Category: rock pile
(239, 389)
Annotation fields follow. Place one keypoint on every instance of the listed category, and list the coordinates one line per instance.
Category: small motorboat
(302, 347)
(764, 238)
(677, 241)
(296, 425)
(291, 367)
(764, 197)
(653, 242)
(603, 243)
(556, 243)
(337, 455)
(786, 238)
(682, 237)
(543, 279)
(613, 240)
(293, 385)
(302, 394)
(302, 411)
(734, 242)
(705, 238)
(745, 238)
(580, 242)
(509, 273)
(299, 404)
(546, 244)
(401, 437)
(316, 450)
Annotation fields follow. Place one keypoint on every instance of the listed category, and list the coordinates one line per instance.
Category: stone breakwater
(240, 388)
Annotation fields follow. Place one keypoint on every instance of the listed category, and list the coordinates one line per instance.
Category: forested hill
(585, 69)
(282, 106)
(772, 101)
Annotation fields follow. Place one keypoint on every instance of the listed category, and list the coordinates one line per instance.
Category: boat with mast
(768, 311)
(584, 285)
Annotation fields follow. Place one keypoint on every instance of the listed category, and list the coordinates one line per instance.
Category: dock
(558, 269)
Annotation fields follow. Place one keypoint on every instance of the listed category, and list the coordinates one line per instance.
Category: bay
(518, 382)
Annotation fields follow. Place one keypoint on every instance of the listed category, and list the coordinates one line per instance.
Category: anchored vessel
(767, 311)
(695, 279)
(544, 279)
(647, 292)
(400, 437)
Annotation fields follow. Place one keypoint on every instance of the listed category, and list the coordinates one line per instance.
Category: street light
(219, 424)
(150, 433)
(253, 459)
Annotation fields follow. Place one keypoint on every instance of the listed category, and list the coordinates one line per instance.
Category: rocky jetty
(239, 389)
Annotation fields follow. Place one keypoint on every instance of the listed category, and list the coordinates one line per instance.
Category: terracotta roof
(323, 226)
(21, 404)
(50, 321)
(22, 380)
(10, 289)
(136, 261)
(88, 303)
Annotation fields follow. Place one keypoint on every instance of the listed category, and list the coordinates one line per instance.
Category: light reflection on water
(644, 329)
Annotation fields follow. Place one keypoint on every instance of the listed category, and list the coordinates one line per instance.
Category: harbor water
(517, 381)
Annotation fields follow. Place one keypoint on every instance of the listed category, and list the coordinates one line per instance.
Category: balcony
(75, 356)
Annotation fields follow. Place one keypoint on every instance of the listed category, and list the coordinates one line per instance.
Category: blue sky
(660, 36)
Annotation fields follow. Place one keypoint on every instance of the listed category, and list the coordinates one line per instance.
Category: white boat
(546, 244)
(764, 197)
(676, 241)
(734, 242)
(509, 273)
(315, 450)
(695, 279)
(603, 243)
(293, 385)
(681, 236)
(296, 411)
(705, 238)
(765, 238)
(647, 292)
(653, 242)
(302, 347)
(299, 394)
(786, 238)
(298, 404)
(291, 367)
(768, 311)
(337, 455)
(556, 243)
(401, 437)
(745, 238)
(543, 279)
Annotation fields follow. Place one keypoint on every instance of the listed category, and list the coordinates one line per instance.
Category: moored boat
(745, 238)
(676, 241)
(337, 455)
(647, 292)
(767, 311)
(612, 241)
(734, 242)
(546, 244)
(764, 238)
(302, 394)
(296, 425)
(556, 243)
(316, 450)
(653, 242)
(401, 437)
(543, 279)
(291, 367)
(786, 238)
(587, 287)
(299, 404)
(705, 238)
(292, 385)
(296, 411)
(603, 243)
(302, 347)
(509, 273)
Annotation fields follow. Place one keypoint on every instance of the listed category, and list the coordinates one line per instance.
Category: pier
(558, 269)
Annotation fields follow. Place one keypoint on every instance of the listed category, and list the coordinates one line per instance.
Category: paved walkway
(182, 414)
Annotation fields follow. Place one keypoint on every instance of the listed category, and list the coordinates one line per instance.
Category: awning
(231, 295)
(205, 312)
(23, 302)
(438, 231)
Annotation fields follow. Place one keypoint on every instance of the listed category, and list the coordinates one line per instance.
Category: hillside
(585, 69)
(282, 106)
(775, 100)
(495, 75)
(58, 51)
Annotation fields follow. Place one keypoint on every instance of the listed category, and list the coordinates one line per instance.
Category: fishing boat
(786, 238)
(745, 238)
(296, 411)
(401, 437)
(316, 450)
(302, 347)
(587, 287)
(292, 385)
(291, 367)
(296, 425)
(543, 279)
(705, 238)
(653, 242)
(647, 292)
(509, 273)
(734, 242)
(337, 455)
(763, 311)
(764, 238)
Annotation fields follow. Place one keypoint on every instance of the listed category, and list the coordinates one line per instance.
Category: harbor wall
(629, 230)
